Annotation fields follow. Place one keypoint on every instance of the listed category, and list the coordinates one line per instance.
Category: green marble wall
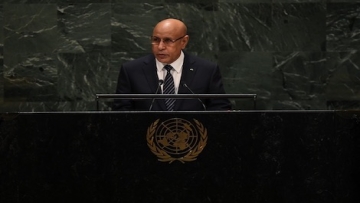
(294, 54)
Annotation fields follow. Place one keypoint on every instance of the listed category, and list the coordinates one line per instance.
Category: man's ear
(185, 41)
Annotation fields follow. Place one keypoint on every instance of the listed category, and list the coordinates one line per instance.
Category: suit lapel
(150, 72)
(187, 76)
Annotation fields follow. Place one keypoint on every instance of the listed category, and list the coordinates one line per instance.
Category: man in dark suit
(188, 75)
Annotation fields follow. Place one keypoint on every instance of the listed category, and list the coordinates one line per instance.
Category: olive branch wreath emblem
(164, 156)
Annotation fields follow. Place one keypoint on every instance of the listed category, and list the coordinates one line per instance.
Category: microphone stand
(202, 103)
(156, 92)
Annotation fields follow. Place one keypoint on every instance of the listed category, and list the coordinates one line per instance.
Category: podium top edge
(183, 112)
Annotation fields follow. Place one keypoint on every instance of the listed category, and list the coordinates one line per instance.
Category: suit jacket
(140, 77)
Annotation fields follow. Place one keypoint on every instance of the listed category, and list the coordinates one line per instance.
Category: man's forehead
(165, 33)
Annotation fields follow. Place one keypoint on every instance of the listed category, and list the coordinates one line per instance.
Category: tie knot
(168, 68)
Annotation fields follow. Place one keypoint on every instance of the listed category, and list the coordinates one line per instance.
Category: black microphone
(187, 87)
(157, 90)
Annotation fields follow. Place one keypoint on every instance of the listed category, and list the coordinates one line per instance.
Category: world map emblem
(176, 139)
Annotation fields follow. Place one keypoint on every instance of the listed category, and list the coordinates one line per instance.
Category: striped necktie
(169, 88)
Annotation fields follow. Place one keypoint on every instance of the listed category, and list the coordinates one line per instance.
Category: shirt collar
(177, 64)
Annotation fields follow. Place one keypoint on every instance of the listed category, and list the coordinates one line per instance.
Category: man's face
(166, 49)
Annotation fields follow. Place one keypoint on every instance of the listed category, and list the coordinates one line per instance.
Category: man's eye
(156, 39)
(167, 41)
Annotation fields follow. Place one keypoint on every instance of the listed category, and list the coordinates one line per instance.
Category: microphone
(187, 87)
(157, 90)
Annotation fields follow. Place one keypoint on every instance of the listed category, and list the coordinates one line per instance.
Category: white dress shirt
(175, 72)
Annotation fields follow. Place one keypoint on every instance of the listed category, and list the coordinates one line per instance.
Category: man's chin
(162, 60)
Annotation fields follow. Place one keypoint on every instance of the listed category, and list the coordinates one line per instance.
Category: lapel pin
(191, 69)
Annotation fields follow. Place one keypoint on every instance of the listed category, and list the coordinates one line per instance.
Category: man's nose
(161, 45)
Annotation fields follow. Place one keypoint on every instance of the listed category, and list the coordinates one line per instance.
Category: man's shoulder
(138, 61)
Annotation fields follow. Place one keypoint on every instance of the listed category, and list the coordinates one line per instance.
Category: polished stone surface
(55, 55)
(250, 156)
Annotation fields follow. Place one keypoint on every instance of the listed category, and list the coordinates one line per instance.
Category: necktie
(169, 88)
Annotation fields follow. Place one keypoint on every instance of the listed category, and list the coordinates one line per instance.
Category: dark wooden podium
(240, 156)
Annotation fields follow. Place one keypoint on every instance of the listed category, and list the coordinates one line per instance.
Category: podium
(238, 156)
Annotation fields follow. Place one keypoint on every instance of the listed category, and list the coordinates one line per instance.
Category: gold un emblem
(176, 139)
